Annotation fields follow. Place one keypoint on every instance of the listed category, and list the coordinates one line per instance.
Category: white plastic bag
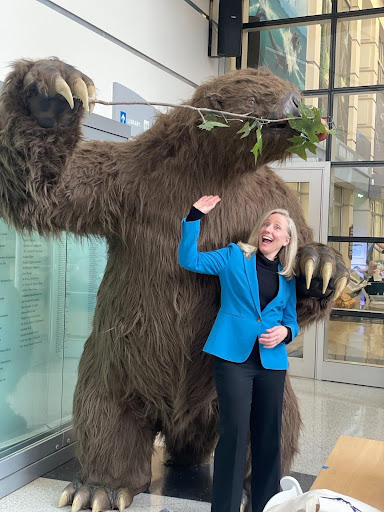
(323, 500)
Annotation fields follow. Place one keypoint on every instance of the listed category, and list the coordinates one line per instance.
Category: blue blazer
(240, 321)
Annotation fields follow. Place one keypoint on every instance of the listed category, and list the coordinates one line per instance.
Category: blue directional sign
(138, 117)
(123, 117)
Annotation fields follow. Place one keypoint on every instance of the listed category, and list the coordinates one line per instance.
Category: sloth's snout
(291, 103)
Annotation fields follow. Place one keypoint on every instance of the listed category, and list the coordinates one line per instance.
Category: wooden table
(356, 469)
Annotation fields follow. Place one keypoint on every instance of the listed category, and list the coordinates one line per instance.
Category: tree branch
(238, 117)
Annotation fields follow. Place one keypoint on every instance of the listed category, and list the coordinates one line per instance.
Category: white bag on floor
(323, 500)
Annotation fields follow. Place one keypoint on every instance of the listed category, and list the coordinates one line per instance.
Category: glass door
(352, 348)
(310, 181)
(345, 208)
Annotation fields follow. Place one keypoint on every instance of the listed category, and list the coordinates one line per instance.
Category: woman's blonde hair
(287, 254)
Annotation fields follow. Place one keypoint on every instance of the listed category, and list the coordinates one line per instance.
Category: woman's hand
(207, 203)
(275, 336)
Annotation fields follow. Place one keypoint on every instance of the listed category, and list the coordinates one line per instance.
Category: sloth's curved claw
(124, 499)
(309, 268)
(62, 88)
(67, 495)
(340, 285)
(80, 90)
(326, 274)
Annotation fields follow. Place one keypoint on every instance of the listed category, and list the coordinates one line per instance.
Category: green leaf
(210, 117)
(222, 125)
(305, 110)
(258, 147)
(317, 123)
(209, 125)
(206, 125)
(296, 124)
(309, 125)
(298, 150)
(311, 147)
(246, 129)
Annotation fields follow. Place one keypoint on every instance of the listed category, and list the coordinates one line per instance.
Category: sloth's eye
(251, 102)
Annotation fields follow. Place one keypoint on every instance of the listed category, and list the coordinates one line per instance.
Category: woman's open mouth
(267, 240)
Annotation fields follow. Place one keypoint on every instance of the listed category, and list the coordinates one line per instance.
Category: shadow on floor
(190, 483)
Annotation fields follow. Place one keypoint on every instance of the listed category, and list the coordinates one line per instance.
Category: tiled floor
(328, 409)
(42, 496)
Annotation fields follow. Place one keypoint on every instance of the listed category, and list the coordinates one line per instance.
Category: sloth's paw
(97, 498)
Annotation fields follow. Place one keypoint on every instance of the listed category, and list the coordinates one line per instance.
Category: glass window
(337, 195)
(359, 52)
(377, 225)
(365, 291)
(356, 210)
(355, 340)
(356, 201)
(86, 262)
(318, 102)
(336, 218)
(348, 195)
(299, 54)
(31, 340)
(296, 347)
(377, 218)
(301, 190)
(358, 5)
(47, 299)
(262, 10)
(360, 119)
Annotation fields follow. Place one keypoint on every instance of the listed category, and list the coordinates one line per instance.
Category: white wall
(170, 32)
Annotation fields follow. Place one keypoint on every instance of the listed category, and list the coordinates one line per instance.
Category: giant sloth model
(143, 371)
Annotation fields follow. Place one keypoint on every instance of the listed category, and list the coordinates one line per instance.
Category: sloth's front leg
(115, 451)
(114, 442)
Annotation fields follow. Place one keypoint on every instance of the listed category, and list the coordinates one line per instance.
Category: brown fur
(143, 370)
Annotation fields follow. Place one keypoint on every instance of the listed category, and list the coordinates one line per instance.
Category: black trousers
(250, 399)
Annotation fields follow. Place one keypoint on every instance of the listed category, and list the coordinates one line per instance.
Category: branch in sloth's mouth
(239, 117)
(301, 124)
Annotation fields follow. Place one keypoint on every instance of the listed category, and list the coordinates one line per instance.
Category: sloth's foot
(99, 499)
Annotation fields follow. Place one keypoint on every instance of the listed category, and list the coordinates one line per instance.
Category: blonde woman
(257, 318)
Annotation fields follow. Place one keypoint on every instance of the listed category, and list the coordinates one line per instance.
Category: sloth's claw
(321, 272)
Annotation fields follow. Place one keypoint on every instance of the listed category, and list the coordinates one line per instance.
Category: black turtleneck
(267, 278)
(267, 275)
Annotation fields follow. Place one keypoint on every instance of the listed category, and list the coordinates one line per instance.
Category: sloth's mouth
(277, 125)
